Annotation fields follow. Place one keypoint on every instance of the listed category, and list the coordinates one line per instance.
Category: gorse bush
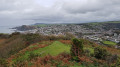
(11, 46)
(32, 38)
(100, 53)
(76, 49)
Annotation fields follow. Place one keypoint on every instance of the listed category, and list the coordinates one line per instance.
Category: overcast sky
(58, 11)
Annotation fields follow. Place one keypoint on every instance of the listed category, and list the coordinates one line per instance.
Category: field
(52, 49)
(109, 43)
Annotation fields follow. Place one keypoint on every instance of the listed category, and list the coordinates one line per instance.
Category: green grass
(32, 46)
(109, 43)
(90, 49)
(54, 49)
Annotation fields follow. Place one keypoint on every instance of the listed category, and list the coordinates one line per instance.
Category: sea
(7, 29)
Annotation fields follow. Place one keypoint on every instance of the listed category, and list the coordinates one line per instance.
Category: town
(93, 33)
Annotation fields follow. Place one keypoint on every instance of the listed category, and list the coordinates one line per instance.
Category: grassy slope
(54, 49)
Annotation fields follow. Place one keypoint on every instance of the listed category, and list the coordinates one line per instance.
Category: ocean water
(7, 24)
(6, 29)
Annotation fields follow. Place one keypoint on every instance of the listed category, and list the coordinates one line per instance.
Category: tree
(77, 48)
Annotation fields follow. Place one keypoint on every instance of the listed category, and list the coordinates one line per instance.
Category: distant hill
(104, 25)
(25, 27)
(93, 25)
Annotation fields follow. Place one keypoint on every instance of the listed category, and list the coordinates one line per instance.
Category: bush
(32, 38)
(77, 48)
(118, 44)
(15, 33)
(112, 58)
(32, 55)
(3, 63)
(4, 35)
(118, 63)
(69, 36)
(100, 53)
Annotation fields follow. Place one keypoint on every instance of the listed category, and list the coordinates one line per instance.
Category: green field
(54, 49)
(109, 43)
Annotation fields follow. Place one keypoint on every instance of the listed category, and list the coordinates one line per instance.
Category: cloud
(54, 11)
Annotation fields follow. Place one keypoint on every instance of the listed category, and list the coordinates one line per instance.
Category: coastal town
(98, 34)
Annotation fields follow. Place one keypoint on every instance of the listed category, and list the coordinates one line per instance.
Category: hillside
(38, 50)
(56, 53)
(34, 50)
(103, 25)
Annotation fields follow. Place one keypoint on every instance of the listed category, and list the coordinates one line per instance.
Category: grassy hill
(53, 49)
(102, 25)
(57, 53)
(97, 23)
(33, 50)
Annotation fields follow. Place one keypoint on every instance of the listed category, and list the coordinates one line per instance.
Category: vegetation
(100, 53)
(118, 44)
(41, 25)
(13, 43)
(109, 43)
(76, 49)
(36, 50)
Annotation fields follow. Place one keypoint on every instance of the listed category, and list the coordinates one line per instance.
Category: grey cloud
(83, 6)
(63, 11)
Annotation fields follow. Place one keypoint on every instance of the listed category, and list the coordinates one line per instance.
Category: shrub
(118, 63)
(32, 55)
(100, 53)
(112, 58)
(32, 38)
(77, 48)
(3, 63)
(4, 35)
(118, 44)
(15, 33)
(69, 36)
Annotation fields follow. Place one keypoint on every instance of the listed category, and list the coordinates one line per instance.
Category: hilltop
(62, 45)
(45, 51)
